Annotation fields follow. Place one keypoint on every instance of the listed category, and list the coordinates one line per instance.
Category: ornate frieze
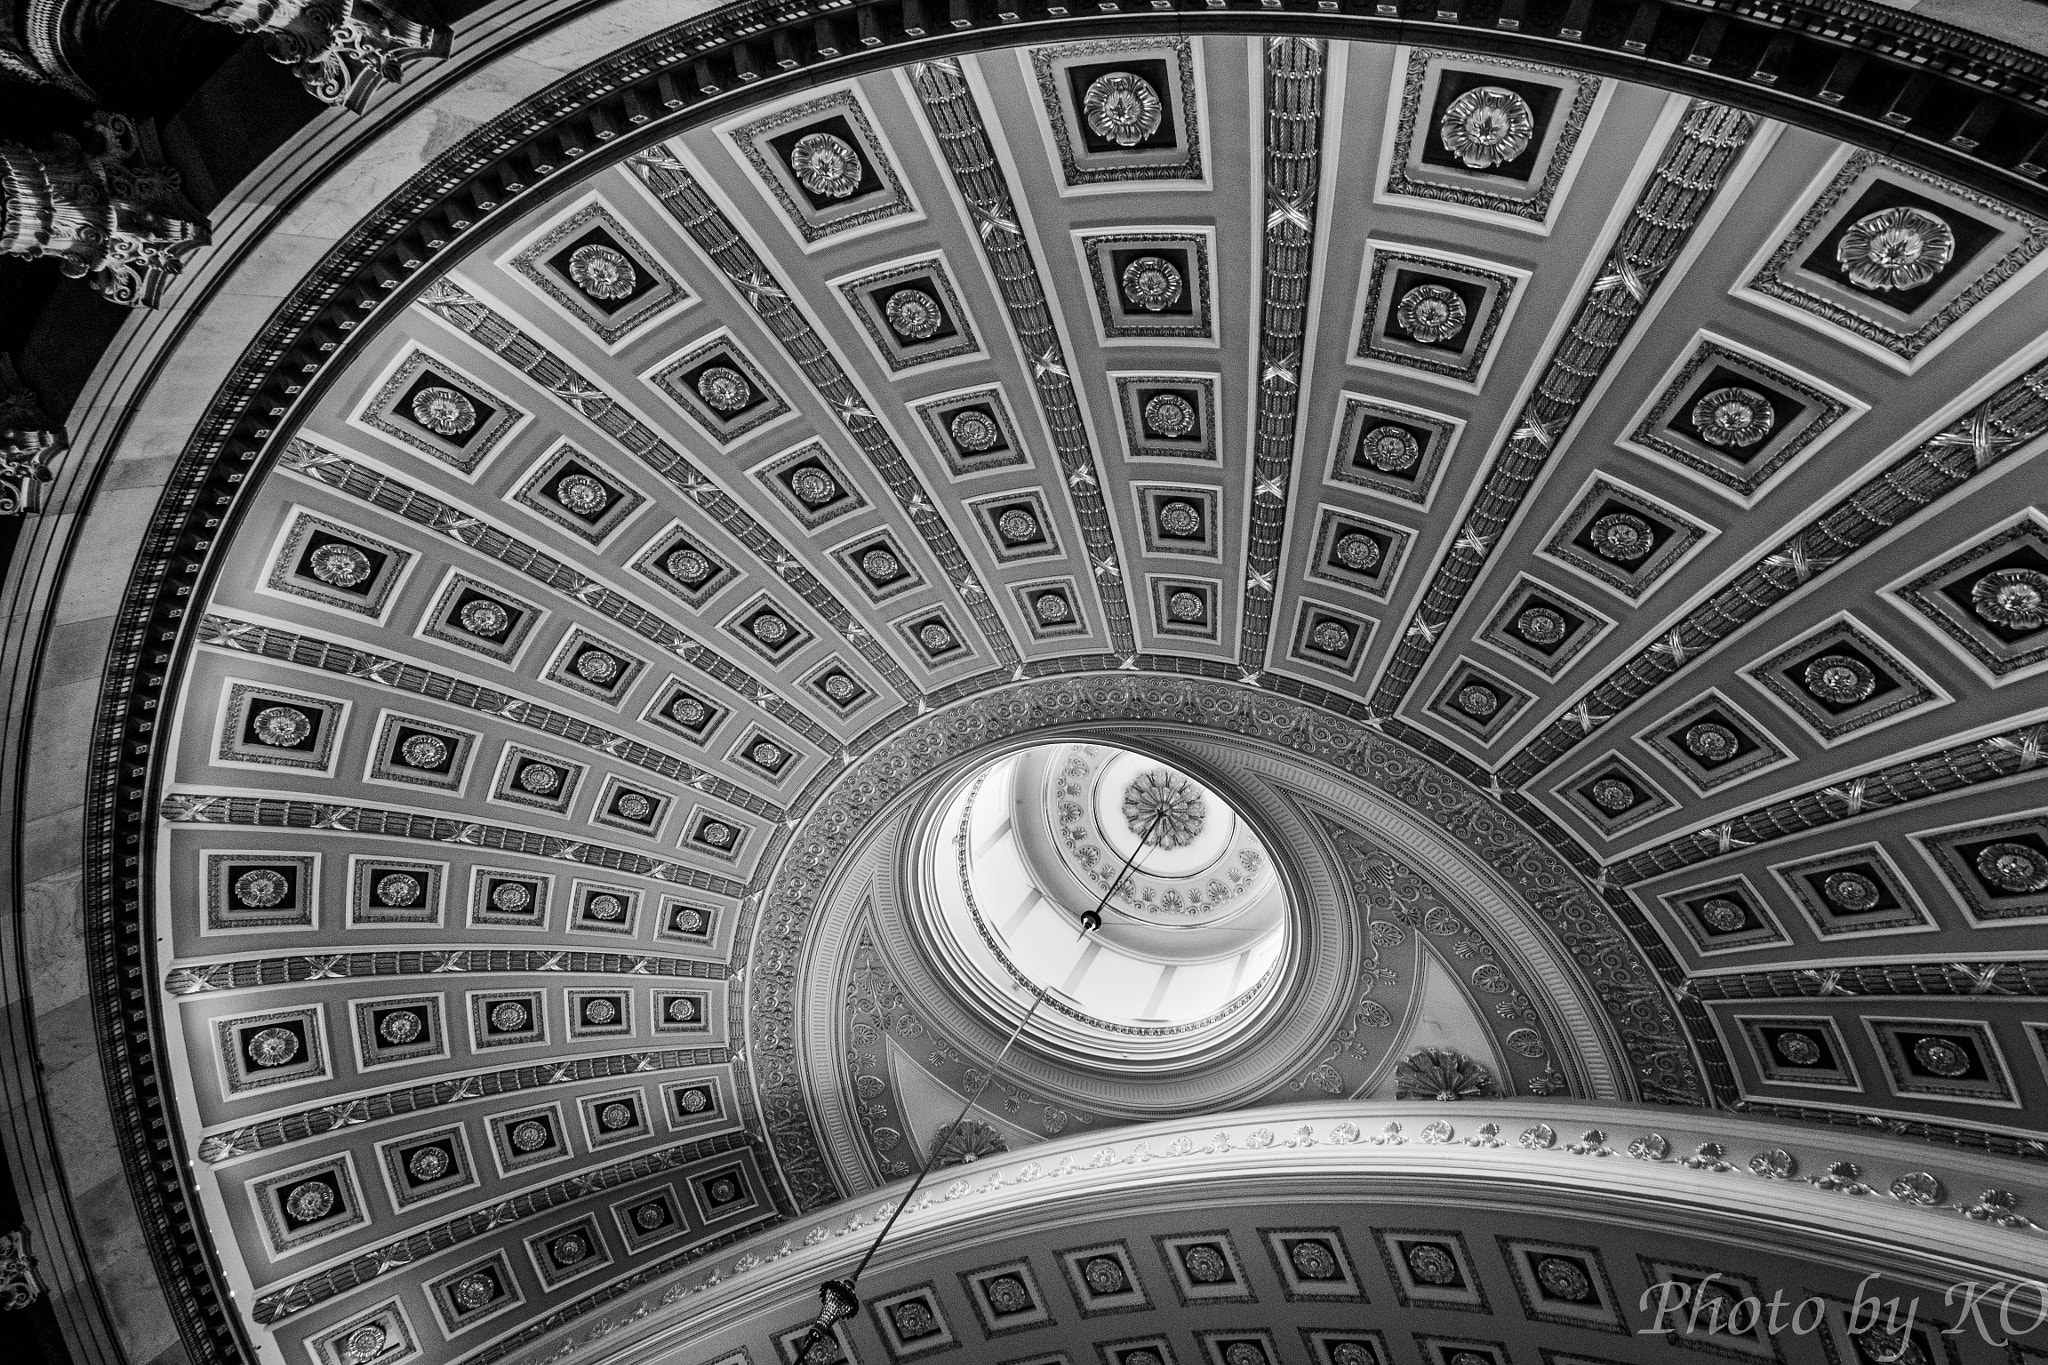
(107, 210)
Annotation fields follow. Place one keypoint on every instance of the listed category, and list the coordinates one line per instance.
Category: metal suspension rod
(838, 1299)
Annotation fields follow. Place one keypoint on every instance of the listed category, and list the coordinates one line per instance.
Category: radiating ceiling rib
(589, 400)
(962, 135)
(332, 656)
(425, 509)
(1994, 430)
(1689, 171)
(282, 1130)
(715, 235)
(2016, 751)
(1294, 145)
(289, 812)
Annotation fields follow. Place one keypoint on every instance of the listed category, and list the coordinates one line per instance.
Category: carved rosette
(341, 50)
(111, 213)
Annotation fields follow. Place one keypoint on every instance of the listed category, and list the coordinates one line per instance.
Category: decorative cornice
(1688, 174)
(1294, 158)
(715, 235)
(962, 135)
(1994, 430)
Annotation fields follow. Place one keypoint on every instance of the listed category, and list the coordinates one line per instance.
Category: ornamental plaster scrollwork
(107, 210)
(29, 440)
(773, 937)
(342, 51)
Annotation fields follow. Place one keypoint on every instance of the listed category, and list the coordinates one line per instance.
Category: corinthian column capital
(341, 50)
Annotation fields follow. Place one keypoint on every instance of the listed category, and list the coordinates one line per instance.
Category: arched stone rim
(752, 53)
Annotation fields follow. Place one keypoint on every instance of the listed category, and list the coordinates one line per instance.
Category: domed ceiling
(1580, 534)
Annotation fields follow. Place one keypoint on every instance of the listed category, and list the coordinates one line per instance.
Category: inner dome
(1191, 936)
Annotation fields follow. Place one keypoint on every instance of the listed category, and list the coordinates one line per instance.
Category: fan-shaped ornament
(603, 272)
(1487, 127)
(1167, 804)
(1430, 314)
(261, 889)
(1440, 1074)
(1839, 679)
(1169, 415)
(282, 727)
(826, 164)
(1152, 283)
(974, 432)
(726, 390)
(1895, 248)
(1123, 108)
(443, 411)
(340, 566)
(1733, 416)
(2013, 599)
(967, 1141)
(913, 314)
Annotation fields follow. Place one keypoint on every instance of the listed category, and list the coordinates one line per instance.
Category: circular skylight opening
(1192, 935)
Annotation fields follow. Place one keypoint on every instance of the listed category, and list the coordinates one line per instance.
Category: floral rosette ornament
(1487, 127)
(825, 164)
(1123, 108)
(1430, 314)
(1895, 248)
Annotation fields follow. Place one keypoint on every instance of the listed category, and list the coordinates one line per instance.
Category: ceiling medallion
(602, 272)
(309, 1200)
(1733, 417)
(423, 751)
(974, 431)
(1430, 313)
(581, 494)
(1007, 1294)
(1205, 1265)
(1016, 525)
(1613, 795)
(913, 314)
(1167, 804)
(539, 779)
(1356, 550)
(1152, 283)
(1052, 609)
(1479, 702)
(1724, 914)
(2013, 868)
(688, 565)
(511, 897)
(1390, 449)
(724, 389)
(1851, 891)
(530, 1136)
(606, 906)
(767, 754)
(935, 637)
(273, 1047)
(1622, 537)
(428, 1163)
(1184, 606)
(366, 1343)
(1797, 1048)
(814, 487)
(1940, 1056)
(399, 889)
(1169, 415)
(1123, 107)
(282, 727)
(474, 1291)
(687, 710)
(2016, 599)
(342, 566)
(1487, 127)
(483, 617)
(827, 165)
(649, 1217)
(400, 1026)
(838, 686)
(633, 806)
(507, 1015)
(571, 1249)
(1331, 637)
(1179, 519)
(596, 666)
(717, 833)
(1895, 248)
(1563, 1280)
(444, 412)
(1313, 1261)
(1839, 679)
(692, 1101)
(880, 565)
(770, 630)
(1711, 742)
(261, 889)
(1540, 626)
